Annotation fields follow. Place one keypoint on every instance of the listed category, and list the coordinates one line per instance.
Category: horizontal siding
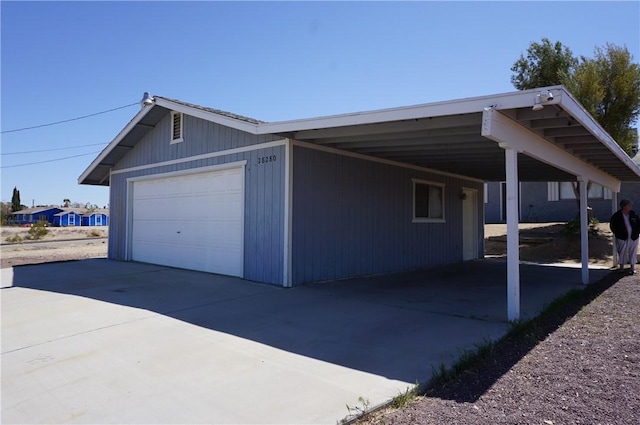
(353, 217)
(264, 188)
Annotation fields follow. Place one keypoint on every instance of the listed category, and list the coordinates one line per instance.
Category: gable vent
(176, 121)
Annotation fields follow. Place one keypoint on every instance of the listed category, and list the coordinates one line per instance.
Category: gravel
(585, 371)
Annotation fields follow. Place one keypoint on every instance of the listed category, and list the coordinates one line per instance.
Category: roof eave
(168, 104)
(575, 109)
(509, 100)
(208, 116)
(111, 146)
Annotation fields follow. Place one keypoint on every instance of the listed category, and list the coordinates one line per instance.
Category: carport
(534, 135)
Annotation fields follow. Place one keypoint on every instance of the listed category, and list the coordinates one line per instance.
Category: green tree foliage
(608, 86)
(66, 202)
(16, 205)
(5, 210)
(546, 64)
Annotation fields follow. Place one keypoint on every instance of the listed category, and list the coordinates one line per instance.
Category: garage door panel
(192, 221)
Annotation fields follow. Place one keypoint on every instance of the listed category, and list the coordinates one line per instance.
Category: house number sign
(265, 159)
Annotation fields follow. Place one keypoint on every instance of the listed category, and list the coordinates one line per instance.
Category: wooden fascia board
(509, 134)
(391, 127)
(114, 143)
(208, 116)
(514, 100)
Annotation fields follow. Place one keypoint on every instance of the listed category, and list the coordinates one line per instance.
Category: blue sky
(271, 61)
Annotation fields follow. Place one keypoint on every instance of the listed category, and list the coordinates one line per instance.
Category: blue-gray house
(95, 218)
(543, 202)
(68, 217)
(34, 215)
(334, 197)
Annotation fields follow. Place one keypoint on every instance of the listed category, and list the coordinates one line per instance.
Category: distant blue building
(96, 218)
(34, 215)
(67, 218)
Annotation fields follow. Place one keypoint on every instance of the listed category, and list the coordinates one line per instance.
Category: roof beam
(561, 122)
(417, 124)
(406, 135)
(568, 140)
(506, 132)
(527, 114)
(567, 131)
(434, 142)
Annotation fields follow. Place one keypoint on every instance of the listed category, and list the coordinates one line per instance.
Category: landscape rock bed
(585, 371)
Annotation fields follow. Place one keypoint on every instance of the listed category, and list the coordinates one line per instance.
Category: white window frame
(442, 206)
(553, 191)
(181, 137)
(594, 186)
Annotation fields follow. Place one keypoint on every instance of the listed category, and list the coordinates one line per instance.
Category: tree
(66, 202)
(546, 64)
(608, 86)
(16, 205)
(5, 210)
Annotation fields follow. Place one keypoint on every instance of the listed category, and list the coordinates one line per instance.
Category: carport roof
(450, 137)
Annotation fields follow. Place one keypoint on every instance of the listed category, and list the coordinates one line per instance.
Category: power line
(51, 150)
(49, 160)
(63, 121)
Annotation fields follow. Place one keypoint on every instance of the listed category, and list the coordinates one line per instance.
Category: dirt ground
(539, 242)
(84, 242)
(551, 243)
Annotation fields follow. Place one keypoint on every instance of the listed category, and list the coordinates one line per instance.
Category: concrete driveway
(97, 341)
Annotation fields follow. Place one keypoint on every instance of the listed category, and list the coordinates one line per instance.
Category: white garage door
(190, 221)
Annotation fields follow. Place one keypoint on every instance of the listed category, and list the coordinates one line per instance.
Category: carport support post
(614, 208)
(513, 256)
(584, 234)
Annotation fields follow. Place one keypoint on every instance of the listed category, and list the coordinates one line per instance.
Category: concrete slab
(97, 341)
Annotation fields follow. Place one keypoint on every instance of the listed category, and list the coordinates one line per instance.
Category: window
(428, 202)
(596, 191)
(176, 127)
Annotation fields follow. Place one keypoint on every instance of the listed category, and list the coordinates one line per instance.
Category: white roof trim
(511, 100)
(141, 113)
(208, 116)
(496, 126)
